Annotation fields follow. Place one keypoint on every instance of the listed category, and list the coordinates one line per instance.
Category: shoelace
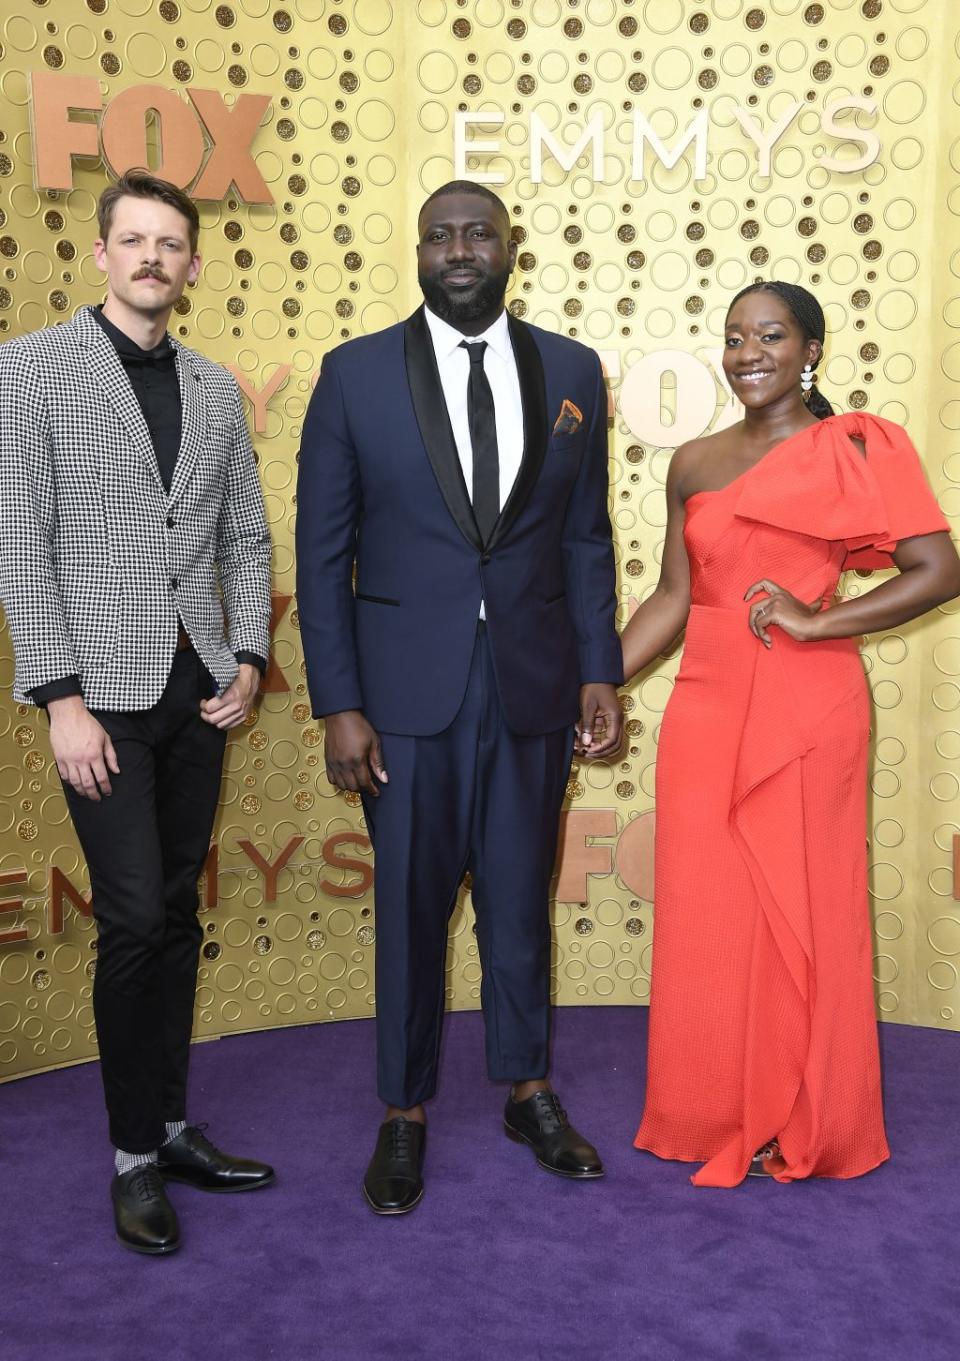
(147, 1183)
(551, 1116)
(400, 1135)
(194, 1134)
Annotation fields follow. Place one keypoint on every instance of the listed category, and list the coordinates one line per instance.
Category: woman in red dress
(763, 1041)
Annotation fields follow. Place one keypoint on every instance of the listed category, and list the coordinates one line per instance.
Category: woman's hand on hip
(795, 617)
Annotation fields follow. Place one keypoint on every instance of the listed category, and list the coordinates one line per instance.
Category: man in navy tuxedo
(458, 462)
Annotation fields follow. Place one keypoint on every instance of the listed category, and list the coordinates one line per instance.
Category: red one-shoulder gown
(762, 1022)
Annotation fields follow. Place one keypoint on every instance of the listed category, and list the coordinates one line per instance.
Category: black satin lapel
(434, 422)
(533, 396)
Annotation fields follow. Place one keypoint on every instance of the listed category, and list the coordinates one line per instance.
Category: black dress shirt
(153, 376)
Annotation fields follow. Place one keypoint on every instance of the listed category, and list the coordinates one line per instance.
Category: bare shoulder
(689, 460)
(687, 457)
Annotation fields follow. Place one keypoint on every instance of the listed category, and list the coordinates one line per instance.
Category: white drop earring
(806, 379)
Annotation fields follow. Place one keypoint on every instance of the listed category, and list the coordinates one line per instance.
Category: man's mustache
(151, 272)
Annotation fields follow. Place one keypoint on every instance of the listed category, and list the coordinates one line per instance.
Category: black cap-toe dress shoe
(393, 1183)
(541, 1122)
(144, 1218)
(193, 1159)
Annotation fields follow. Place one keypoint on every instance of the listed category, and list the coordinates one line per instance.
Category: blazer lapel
(107, 369)
(533, 396)
(430, 409)
(193, 429)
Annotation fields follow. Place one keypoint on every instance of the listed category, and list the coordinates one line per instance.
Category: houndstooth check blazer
(96, 559)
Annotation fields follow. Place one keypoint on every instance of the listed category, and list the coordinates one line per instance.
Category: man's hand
(352, 752)
(81, 747)
(601, 720)
(231, 708)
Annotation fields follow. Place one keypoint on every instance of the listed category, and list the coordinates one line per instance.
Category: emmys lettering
(203, 143)
(590, 142)
(580, 857)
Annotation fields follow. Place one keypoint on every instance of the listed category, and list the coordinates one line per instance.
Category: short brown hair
(140, 183)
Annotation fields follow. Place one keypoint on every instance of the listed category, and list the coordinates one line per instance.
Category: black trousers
(145, 846)
(476, 797)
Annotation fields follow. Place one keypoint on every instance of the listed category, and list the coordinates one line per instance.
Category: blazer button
(170, 522)
(485, 559)
(174, 583)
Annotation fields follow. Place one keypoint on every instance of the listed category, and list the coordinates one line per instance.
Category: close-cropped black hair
(809, 317)
(468, 187)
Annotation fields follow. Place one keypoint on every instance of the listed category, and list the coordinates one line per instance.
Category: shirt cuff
(252, 659)
(58, 689)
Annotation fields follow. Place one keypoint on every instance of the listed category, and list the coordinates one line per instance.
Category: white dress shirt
(500, 366)
(501, 369)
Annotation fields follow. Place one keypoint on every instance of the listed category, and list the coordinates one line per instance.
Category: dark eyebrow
(164, 236)
(478, 222)
(732, 326)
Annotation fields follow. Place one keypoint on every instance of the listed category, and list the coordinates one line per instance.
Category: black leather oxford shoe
(393, 1183)
(541, 1122)
(144, 1218)
(193, 1159)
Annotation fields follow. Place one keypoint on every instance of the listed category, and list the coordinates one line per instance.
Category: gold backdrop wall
(359, 126)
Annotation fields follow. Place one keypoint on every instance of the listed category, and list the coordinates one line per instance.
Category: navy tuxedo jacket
(381, 490)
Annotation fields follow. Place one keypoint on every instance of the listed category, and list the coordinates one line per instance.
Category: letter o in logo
(642, 408)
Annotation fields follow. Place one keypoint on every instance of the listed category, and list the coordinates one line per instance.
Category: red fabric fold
(818, 482)
(774, 737)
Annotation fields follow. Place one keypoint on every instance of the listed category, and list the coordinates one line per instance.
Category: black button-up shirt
(153, 376)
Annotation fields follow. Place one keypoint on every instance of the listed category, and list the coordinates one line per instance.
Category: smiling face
(464, 259)
(765, 350)
(147, 256)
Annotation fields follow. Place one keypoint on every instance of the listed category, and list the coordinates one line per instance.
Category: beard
(456, 306)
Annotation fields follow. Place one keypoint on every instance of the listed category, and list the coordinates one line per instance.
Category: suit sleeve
(588, 564)
(328, 512)
(29, 587)
(243, 546)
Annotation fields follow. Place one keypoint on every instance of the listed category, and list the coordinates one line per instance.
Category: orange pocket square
(569, 420)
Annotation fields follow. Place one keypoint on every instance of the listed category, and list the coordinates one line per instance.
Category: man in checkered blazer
(135, 576)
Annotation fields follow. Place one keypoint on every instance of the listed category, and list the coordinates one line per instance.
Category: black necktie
(481, 417)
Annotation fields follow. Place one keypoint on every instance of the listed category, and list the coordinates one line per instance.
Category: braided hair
(809, 317)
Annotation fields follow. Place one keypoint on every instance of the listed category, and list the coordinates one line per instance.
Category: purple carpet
(501, 1261)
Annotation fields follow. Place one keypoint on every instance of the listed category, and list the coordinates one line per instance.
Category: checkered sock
(126, 1162)
(174, 1128)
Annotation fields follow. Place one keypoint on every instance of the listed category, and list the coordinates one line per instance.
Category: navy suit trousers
(475, 797)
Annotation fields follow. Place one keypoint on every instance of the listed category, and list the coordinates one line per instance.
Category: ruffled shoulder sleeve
(819, 483)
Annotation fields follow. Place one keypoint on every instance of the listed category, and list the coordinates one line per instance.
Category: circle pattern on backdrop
(632, 266)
